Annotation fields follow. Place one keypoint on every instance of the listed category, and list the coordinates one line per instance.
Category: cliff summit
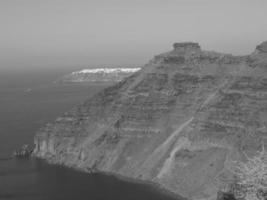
(186, 47)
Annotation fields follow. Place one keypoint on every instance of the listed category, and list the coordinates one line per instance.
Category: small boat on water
(24, 152)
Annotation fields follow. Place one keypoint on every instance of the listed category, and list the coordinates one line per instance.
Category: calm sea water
(27, 102)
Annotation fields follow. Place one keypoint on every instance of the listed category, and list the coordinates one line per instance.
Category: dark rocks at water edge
(178, 122)
(225, 196)
(24, 152)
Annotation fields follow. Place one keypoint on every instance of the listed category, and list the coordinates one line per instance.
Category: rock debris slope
(176, 122)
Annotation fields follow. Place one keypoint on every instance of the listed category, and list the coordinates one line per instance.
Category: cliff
(111, 75)
(176, 122)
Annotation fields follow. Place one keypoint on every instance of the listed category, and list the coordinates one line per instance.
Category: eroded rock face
(186, 47)
(176, 122)
(262, 47)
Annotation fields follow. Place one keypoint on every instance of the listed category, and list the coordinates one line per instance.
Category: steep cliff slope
(176, 122)
(99, 75)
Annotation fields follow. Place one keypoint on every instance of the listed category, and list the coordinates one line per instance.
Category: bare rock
(262, 47)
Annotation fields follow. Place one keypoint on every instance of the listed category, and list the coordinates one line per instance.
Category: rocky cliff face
(111, 75)
(176, 122)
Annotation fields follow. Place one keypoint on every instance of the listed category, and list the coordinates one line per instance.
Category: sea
(29, 100)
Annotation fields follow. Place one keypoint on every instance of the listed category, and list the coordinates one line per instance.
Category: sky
(42, 34)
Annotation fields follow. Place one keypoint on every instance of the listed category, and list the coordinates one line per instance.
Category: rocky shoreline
(24, 152)
(156, 186)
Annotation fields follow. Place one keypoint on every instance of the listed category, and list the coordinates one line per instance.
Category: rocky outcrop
(262, 47)
(177, 122)
(186, 47)
(99, 75)
(24, 152)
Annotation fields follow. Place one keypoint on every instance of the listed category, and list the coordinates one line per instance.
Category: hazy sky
(65, 33)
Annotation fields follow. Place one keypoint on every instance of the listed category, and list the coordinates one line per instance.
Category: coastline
(153, 185)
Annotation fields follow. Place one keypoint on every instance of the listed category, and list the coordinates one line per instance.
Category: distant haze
(42, 34)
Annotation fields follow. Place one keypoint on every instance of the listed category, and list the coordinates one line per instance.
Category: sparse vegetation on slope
(251, 177)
